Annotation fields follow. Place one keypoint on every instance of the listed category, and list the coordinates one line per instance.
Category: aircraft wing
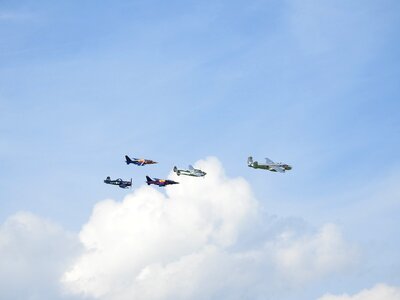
(278, 169)
(268, 161)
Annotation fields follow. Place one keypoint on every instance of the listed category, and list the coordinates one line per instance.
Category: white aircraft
(191, 172)
(269, 165)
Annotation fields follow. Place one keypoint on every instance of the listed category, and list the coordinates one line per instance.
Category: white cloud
(306, 257)
(204, 238)
(378, 292)
(33, 256)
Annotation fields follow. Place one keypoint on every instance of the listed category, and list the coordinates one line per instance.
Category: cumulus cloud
(202, 239)
(310, 255)
(379, 291)
(34, 253)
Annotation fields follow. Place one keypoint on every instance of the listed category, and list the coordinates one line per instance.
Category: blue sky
(311, 83)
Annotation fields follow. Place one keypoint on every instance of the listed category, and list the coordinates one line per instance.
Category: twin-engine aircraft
(138, 161)
(121, 183)
(159, 182)
(190, 172)
(269, 165)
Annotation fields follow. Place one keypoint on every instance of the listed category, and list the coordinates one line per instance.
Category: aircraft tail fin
(249, 160)
(128, 160)
(148, 180)
(191, 168)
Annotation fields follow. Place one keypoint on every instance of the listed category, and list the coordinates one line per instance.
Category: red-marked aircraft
(159, 182)
(138, 161)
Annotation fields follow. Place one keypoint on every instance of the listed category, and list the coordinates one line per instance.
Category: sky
(310, 83)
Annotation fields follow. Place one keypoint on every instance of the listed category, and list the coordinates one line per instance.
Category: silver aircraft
(191, 172)
(269, 165)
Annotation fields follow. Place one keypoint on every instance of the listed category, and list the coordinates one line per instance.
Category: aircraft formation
(191, 171)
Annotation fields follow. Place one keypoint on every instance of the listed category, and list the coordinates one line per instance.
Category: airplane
(159, 182)
(121, 183)
(138, 161)
(191, 172)
(269, 165)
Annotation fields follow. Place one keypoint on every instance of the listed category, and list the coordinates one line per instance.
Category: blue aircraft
(121, 183)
